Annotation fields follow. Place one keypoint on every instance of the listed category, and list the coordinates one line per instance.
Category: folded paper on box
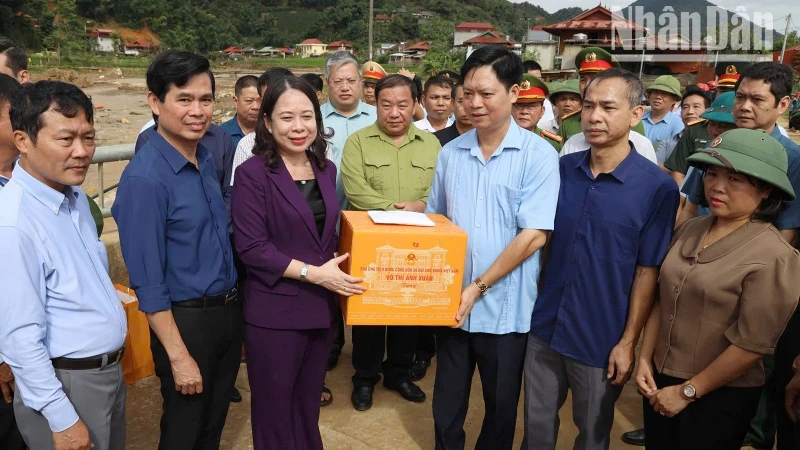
(413, 274)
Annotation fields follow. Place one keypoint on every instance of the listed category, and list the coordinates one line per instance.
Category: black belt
(214, 301)
(93, 362)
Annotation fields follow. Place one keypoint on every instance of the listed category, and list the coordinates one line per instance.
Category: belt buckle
(230, 298)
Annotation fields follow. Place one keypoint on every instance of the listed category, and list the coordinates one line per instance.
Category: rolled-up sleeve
(250, 236)
(141, 212)
(537, 208)
(768, 300)
(23, 330)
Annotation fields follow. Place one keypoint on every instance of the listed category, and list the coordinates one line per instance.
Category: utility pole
(371, 14)
(785, 35)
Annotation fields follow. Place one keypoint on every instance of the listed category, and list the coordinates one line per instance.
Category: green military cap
(532, 90)
(721, 110)
(594, 59)
(666, 83)
(560, 87)
(728, 72)
(751, 152)
(451, 74)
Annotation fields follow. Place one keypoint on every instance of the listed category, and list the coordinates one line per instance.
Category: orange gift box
(137, 362)
(413, 274)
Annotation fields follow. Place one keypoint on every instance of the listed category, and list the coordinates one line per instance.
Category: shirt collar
(513, 140)
(620, 172)
(648, 116)
(175, 159)
(375, 131)
(328, 110)
(48, 196)
(4, 180)
(693, 246)
(237, 129)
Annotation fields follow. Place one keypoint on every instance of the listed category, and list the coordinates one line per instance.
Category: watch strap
(303, 273)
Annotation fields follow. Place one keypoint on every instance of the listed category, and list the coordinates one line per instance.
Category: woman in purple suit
(284, 211)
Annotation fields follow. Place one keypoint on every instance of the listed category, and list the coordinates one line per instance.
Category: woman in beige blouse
(727, 289)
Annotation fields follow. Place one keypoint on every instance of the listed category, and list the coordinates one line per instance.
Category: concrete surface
(391, 424)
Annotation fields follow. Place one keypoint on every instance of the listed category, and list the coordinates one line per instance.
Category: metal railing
(106, 154)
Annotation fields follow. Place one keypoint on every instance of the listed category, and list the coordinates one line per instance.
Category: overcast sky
(778, 8)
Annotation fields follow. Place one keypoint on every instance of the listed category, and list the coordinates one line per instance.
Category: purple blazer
(273, 224)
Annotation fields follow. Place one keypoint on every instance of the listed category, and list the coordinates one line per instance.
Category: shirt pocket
(508, 201)
(423, 169)
(376, 166)
(615, 241)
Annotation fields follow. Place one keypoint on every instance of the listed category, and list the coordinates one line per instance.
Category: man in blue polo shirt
(661, 122)
(247, 101)
(613, 224)
(499, 182)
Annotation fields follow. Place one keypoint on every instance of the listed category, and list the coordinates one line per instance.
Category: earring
(270, 130)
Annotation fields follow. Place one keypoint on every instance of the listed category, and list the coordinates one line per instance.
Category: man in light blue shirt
(60, 314)
(343, 114)
(661, 122)
(500, 183)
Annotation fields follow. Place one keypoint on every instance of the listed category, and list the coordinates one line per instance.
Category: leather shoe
(635, 437)
(236, 397)
(408, 390)
(420, 369)
(362, 398)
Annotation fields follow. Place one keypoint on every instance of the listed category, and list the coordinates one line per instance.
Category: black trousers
(213, 338)
(785, 352)
(426, 344)
(369, 343)
(10, 439)
(338, 331)
(500, 360)
(717, 421)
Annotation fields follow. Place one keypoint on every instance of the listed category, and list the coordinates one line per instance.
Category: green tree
(439, 33)
(67, 34)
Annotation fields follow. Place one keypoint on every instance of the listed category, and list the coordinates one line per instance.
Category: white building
(102, 41)
(468, 30)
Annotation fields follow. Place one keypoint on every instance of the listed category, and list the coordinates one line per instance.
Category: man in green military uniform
(589, 62)
(713, 122)
(529, 108)
(565, 96)
(728, 73)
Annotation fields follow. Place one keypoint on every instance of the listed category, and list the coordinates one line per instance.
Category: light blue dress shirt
(493, 201)
(3, 182)
(669, 125)
(57, 298)
(342, 128)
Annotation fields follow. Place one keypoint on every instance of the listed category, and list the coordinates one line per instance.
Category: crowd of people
(607, 241)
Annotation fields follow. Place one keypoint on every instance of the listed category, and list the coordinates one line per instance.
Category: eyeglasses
(338, 84)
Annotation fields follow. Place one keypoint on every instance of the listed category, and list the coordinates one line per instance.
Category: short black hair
(16, 58)
(314, 80)
(32, 100)
(245, 82)
(439, 81)
(530, 64)
(506, 64)
(696, 90)
(396, 80)
(8, 87)
(175, 68)
(455, 88)
(777, 75)
(272, 76)
(633, 82)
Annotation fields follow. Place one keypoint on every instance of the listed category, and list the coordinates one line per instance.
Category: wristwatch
(689, 391)
(483, 287)
(303, 273)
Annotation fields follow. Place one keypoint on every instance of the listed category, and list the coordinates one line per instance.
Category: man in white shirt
(643, 146)
(437, 99)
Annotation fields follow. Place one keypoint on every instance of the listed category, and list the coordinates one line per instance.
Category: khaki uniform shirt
(377, 173)
(740, 291)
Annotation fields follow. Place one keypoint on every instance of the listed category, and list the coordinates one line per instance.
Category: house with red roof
(103, 41)
(468, 30)
(336, 46)
(311, 47)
